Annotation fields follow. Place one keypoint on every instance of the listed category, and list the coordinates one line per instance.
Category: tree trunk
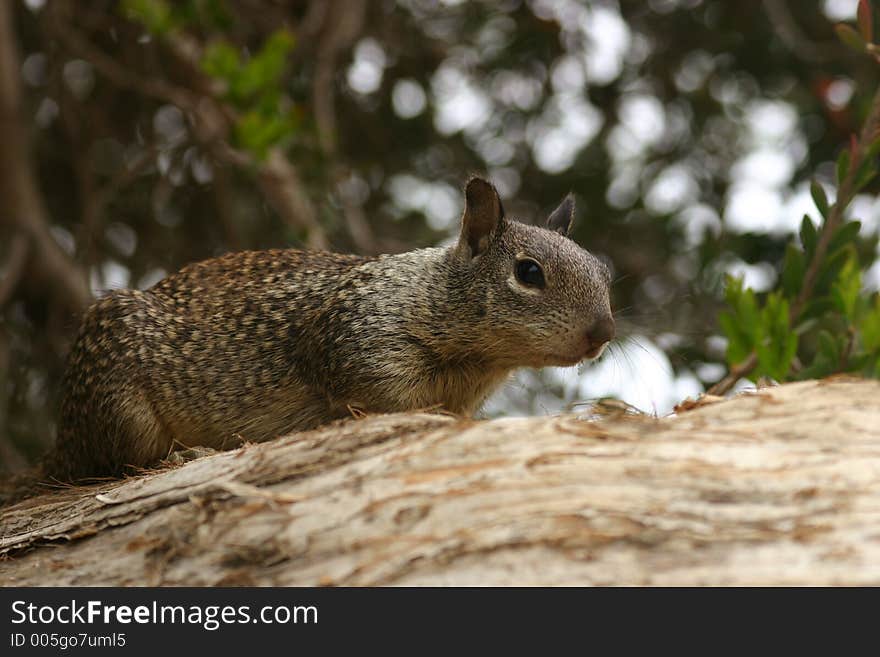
(777, 487)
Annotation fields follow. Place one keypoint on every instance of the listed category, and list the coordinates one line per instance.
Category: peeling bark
(777, 487)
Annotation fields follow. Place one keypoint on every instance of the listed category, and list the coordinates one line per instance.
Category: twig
(737, 372)
(126, 175)
(121, 76)
(790, 33)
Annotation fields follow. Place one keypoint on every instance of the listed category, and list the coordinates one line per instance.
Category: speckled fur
(256, 344)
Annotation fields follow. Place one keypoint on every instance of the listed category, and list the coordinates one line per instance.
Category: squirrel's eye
(528, 272)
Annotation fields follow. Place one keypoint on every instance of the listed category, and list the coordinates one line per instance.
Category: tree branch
(15, 265)
(335, 25)
(429, 500)
(845, 194)
(211, 120)
(24, 210)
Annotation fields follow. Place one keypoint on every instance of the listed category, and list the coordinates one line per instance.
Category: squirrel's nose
(601, 331)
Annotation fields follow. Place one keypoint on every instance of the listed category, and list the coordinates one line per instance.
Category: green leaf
(828, 347)
(221, 61)
(745, 307)
(738, 344)
(859, 362)
(867, 168)
(842, 165)
(869, 327)
(265, 70)
(864, 177)
(844, 235)
(255, 84)
(817, 307)
(789, 349)
(847, 289)
(258, 132)
(741, 324)
(831, 266)
(778, 345)
(819, 198)
(806, 326)
(155, 15)
(871, 152)
(850, 37)
(818, 369)
(809, 236)
(793, 269)
(826, 359)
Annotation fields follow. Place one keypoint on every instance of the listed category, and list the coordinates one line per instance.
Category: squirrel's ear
(483, 215)
(562, 218)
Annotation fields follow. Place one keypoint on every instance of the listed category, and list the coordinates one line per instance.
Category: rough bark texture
(777, 487)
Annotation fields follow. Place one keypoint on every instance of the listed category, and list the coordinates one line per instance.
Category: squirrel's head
(544, 298)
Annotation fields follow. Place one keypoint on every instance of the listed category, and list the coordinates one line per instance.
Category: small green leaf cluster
(252, 84)
(155, 15)
(836, 328)
(254, 87)
(762, 328)
(855, 346)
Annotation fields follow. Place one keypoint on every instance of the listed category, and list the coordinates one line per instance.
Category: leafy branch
(237, 103)
(821, 280)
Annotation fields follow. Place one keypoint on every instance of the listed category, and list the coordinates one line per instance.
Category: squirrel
(256, 344)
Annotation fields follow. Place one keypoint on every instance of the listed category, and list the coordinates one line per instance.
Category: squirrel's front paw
(182, 456)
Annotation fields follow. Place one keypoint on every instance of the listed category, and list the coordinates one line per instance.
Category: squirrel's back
(206, 356)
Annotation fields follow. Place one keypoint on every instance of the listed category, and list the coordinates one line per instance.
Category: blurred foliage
(385, 107)
(253, 86)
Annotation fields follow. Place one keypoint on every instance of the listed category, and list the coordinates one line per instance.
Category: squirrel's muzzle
(601, 332)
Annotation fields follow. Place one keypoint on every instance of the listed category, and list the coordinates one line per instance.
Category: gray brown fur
(256, 344)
